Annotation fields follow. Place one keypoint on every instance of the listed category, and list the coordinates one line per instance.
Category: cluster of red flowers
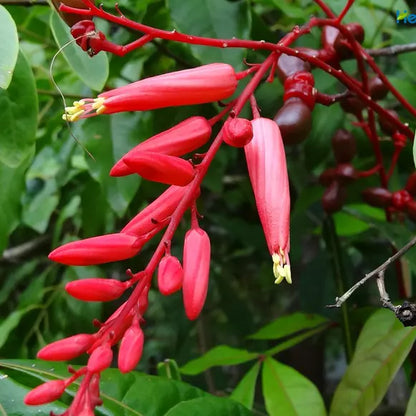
(159, 159)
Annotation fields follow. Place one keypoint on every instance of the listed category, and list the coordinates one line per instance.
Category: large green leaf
(9, 47)
(379, 354)
(288, 325)
(221, 355)
(92, 71)
(133, 394)
(216, 19)
(18, 116)
(245, 389)
(287, 392)
(411, 405)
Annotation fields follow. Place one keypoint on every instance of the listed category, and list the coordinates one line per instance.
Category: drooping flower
(199, 85)
(161, 168)
(131, 348)
(100, 359)
(96, 289)
(97, 250)
(45, 393)
(196, 260)
(170, 275)
(183, 138)
(266, 162)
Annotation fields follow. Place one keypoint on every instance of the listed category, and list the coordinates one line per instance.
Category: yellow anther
(281, 270)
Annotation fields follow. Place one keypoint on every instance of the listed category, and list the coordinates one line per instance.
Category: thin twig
(392, 50)
(14, 254)
(375, 273)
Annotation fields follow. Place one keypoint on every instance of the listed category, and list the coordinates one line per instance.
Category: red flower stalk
(170, 275)
(154, 214)
(131, 348)
(97, 250)
(157, 167)
(67, 348)
(199, 85)
(45, 393)
(96, 289)
(100, 359)
(196, 259)
(183, 138)
(237, 132)
(266, 162)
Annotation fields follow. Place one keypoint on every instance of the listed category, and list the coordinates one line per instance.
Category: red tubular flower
(96, 289)
(183, 138)
(97, 250)
(131, 348)
(170, 275)
(161, 208)
(266, 162)
(157, 167)
(67, 348)
(45, 393)
(196, 259)
(100, 359)
(199, 85)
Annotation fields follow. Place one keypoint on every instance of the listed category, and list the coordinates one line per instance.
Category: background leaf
(9, 47)
(245, 389)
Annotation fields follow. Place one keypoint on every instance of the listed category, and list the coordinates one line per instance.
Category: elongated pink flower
(161, 168)
(96, 289)
(97, 250)
(199, 85)
(67, 348)
(100, 359)
(131, 348)
(183, 138)
(196, 259)
(160, 209)
(170, 275)
(45, 393)
(266, 162)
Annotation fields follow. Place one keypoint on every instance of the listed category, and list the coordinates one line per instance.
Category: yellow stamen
(281, 270)
(73, 113)
(98, 105)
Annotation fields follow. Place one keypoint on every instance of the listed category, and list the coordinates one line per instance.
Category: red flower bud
(237, 132)
(97, 250)
(377, 197)
(161, 208)
(157, 167)
(100, 359)
(266, 162)
(199, 85)
(96, 289)
(334, 197)
(67, 348)
(411, 184)
(170, 275)
(183, 138)
(45, 393)
(400, 199)
(131, 348)
(196, 259)
(343, 146)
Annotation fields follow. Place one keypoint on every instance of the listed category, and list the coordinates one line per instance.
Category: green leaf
(169, 368)
(220, 355)
(216, 19)
(379, 354)
(92, 71)
(209, 406)
(411, 404)
(287, 392)
(288, 325)
(132, 394)
(9, 47)
(18, 116)
(245, 389)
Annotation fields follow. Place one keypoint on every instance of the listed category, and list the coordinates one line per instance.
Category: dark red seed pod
(400, 199)
(294, 120)
(69, 18)
(386, 125)
(411, 209)
(342, 45)
(300, 85)
(352, 105)
(288, 65)
(411, 184)
(334, 197)
(378, 89)
(345, 173)
(327, 177)
(328, 36)
(377, 197)
(343, 146)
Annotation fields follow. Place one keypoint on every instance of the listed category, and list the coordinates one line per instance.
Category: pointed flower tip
(281, 269)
